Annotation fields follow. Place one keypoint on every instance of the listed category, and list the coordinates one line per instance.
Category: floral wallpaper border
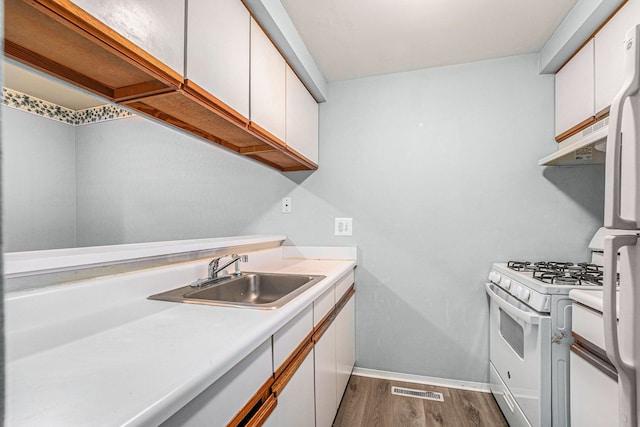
(31, 104)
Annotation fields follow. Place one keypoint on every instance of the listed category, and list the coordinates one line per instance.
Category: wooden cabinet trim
(214, 103)
(326, 322)
(324, 326)
(291, 367)
(84, 51)
(301, 347)
(345, 298)
(602, 113)
(594, 355)
(606, 21)
(61, 39)
(302, 159)
(265, 135)
(577, 128)
(263, 413)
(67, 13)
(258, 399)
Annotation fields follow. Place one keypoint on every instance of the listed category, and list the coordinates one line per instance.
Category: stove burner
(561, 273)
(519, 265)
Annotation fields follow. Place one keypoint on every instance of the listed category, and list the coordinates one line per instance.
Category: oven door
(520, 353)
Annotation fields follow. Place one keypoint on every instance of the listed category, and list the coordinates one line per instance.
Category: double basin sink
(253, 290)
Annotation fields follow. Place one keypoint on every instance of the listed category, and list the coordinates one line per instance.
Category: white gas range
(530, 337)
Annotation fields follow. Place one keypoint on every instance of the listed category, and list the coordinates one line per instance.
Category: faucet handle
(241, 258)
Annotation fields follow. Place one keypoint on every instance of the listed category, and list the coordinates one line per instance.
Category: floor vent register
(421, 394)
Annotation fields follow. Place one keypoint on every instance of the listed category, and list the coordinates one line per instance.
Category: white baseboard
(419, 379)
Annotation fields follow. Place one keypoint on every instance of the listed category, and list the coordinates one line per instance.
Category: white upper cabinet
(218, 37)
(609, 53)
(157, 26)
(301, 118)
(268, 70)
(575, 90)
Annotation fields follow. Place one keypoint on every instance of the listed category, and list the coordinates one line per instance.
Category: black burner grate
(560, 272)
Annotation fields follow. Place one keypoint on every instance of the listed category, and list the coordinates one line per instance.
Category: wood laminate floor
(369, 402)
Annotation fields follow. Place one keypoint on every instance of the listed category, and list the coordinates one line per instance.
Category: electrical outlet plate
(286, 205)
(344, 227)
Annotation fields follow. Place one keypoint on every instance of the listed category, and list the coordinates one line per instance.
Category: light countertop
(592, 299)
(99, 353)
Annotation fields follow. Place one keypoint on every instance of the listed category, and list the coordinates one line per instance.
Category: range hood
(584, 148)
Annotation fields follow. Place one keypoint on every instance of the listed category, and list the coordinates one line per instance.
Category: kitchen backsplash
(24, 102)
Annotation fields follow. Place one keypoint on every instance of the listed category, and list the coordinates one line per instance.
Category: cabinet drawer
(323, 305)
(221, 401)
(289, 337)
(588, 324)
(342, 285)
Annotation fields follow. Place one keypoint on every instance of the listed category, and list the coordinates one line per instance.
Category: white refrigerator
(622, 247)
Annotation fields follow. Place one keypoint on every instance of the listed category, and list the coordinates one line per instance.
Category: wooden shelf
(61, 39)
(196, 111)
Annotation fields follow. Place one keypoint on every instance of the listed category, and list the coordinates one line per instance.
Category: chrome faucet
(214, 269)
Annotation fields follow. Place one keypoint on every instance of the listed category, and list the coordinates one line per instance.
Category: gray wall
(436, 167)
(139, 181)
(38, 182)
(438, 170)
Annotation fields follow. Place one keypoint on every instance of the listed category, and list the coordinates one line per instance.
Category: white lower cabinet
(307, 380)
(326, 377)
(221, 401)
(345, 346)
(296, 403)
(594, 395)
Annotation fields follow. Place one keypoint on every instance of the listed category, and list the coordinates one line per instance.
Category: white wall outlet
(344, 227)
(286, 205)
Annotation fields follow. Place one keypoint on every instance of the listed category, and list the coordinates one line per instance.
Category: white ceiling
(357, 38)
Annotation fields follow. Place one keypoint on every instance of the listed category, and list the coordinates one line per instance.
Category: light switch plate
(286, 205)
(344, 227)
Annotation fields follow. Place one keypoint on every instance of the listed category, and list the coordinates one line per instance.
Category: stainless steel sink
(254, 290)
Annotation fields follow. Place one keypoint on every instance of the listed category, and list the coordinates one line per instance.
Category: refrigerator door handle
(612, 213)
(626, 370)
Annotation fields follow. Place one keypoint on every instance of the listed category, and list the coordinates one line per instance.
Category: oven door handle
(530, 318)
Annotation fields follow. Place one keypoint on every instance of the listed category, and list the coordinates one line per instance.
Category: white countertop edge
(592, 299)
(18, 264)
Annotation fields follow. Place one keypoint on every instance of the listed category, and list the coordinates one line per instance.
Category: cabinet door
(218, 33)
(594, 396)
(268, 69)
(296, 404)
(609, 49)
(575, 90)
(345, 346)
(157, 26)
(325, 377)
(221, 401)
(287, 338)
(301, 118)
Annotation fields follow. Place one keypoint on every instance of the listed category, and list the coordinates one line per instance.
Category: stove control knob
(525, 294)
(515, 291)
(496, 278)
(506, 284)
